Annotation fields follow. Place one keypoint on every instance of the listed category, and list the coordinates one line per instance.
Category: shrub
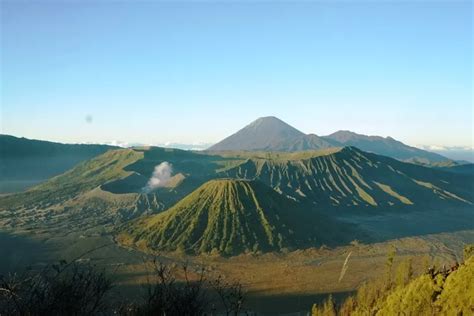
(60, 289)
(457, 296)
(166, 296)
(442, 292)
(468, 251)
(328, 308)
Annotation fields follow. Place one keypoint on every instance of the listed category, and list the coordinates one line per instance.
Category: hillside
(386, 146)
(270, 134)
(24, 162)
(108, 189)
(112, 188)
(461, 169)
(353, 178)
(231, 217)
(75, 198)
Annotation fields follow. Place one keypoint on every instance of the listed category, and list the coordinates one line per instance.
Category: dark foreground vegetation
(438, 291)
(82, 289)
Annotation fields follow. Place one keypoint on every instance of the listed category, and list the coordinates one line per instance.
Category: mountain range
(25, 162)
(272, 134)
(225, 196)
(228, 201)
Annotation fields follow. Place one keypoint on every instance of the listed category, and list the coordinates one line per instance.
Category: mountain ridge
(386, 146)
(286, 138)
(351, 177)
(230, 216)
(26, 161)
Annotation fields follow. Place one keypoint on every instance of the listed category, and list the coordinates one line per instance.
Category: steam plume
(160, 177)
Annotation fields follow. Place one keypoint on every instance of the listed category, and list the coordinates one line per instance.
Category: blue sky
(154, 72)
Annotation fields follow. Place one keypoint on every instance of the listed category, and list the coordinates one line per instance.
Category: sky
(195, 72)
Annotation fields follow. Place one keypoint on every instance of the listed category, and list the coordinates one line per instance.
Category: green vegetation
(284, 210)
(338, 178)
(108, 189)
(75, 200)
(436, 292)
(352, 178)
(389, 190)
(229, 216)
(84, 177)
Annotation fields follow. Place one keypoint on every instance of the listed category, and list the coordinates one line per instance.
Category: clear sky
(149, 72)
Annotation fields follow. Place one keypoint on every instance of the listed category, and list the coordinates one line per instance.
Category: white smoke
(160, 177)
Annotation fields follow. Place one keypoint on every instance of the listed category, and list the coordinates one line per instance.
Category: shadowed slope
(233, 216)
(27, 161)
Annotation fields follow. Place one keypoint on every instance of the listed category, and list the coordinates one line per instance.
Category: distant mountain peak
(268, 118)
(273, 123)
(270, 133)
(267, 133)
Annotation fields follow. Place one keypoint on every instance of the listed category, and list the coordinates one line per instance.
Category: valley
(276, 283)
(282, 223)
(236, 158)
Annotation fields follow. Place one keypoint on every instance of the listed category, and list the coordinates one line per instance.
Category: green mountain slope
(84, 177)
(75, 199)
(108, 189)
(234, 216)
(353, 178)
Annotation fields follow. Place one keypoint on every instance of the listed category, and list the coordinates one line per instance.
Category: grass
(228, 216)
(390, 191)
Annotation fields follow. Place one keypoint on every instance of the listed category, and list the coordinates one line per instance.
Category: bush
(414, 299)
(81, 289)
(327, 309)
(442, 292)
(468, 251)
(457, 296)
(166, 295)
(61, 289)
